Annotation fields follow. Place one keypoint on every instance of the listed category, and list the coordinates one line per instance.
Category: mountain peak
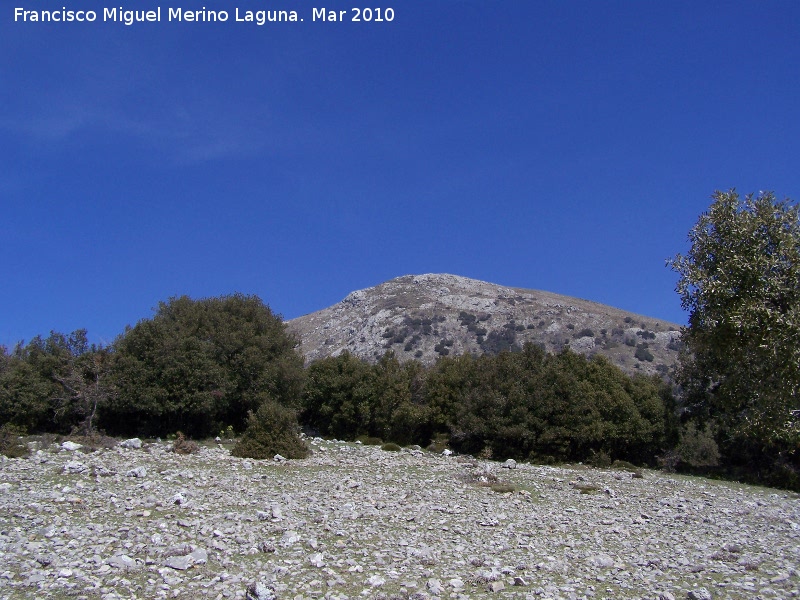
(427, 316)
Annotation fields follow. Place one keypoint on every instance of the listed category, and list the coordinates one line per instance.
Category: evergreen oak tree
(199, 365)
(740, 283)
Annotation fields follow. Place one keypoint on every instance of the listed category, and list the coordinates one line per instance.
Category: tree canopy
(199, 365)
(740, 283)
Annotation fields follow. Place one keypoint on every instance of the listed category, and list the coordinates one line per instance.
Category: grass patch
(369, 441)
(586, 488)
(503, 488)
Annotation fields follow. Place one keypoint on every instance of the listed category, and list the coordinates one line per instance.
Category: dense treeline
(199, 366)
(528, 405)
(203, 366)
(196, 367)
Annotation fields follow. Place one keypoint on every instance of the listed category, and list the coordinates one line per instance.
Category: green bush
(369, 441)
(642, 353)
(600, 459)
(697, 447)
(391, 447)
(10, 444)
(271, 430)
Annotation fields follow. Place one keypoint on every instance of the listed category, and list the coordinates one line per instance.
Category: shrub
(369, 441)
(466, 318)
(92, 440)
(10, 444)
(500, 340)
(271, 430)
(697, 447)
(183, 446)
(676, 345)
(478, 476)
(599, 459)
(391, 447)
(585, 332)
(669, 461)
(438, 443)
(643, 354)
(624, 465)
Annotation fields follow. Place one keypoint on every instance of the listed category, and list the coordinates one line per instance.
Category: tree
(53, 383)
(740, 282)
(84, 388)
(336, 398)
(199, 365)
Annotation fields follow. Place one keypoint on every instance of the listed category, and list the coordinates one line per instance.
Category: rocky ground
(357, 522)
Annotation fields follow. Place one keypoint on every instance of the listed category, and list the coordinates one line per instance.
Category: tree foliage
(527, 404)
(199, 365)
(740, 283)
(347, 398)
(55, 383)
(553, 407)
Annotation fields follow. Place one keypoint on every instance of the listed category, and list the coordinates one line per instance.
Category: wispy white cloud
(176, 133)
(178, 121)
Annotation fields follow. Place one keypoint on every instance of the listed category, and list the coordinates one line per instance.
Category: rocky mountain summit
(426, 316)
(140, 521)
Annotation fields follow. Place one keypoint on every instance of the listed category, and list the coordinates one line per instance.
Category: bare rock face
(426, 316)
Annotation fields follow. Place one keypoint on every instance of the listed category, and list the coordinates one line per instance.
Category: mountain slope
(426, 316)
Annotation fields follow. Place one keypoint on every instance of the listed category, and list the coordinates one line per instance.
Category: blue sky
(566, 146)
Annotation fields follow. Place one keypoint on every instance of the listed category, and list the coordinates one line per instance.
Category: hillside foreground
(355, 521)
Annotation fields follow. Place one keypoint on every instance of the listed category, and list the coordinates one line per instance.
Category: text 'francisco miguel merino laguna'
(258, 17)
